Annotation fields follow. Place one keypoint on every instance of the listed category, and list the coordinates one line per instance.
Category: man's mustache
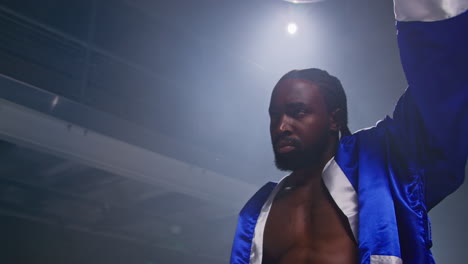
(286, 141)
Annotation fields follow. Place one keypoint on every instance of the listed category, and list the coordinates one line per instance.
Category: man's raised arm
(434, 55)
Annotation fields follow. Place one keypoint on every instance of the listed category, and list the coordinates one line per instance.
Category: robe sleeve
(430, 121)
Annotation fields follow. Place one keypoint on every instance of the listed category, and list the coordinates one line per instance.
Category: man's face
(299, 124)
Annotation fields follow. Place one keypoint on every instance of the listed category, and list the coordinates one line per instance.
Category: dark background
(189, 80)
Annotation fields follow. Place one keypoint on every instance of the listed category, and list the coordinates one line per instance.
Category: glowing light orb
(292, 28)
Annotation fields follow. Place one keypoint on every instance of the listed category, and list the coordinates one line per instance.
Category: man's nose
(284, 124)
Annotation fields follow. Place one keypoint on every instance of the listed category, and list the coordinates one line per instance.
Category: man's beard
(300, 157)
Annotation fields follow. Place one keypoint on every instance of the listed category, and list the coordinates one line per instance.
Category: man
(364, 198)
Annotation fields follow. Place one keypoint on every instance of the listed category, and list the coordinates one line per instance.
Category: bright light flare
(292, 28)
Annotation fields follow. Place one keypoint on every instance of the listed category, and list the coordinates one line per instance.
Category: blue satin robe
(405, 165)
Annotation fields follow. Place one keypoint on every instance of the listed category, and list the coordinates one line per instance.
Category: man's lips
(285, 146)
(286, 149)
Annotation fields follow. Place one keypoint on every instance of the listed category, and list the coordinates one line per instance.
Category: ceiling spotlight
(292, 28)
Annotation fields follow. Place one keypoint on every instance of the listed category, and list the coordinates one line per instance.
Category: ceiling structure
(134, 131)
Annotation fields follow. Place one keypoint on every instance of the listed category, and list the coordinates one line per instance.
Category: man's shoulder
(379, 127)
(255, 203)
(372, 135)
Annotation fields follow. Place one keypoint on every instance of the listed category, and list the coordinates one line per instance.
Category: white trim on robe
(428, 10)
(343, 194)
(256, 252)
(381, 259)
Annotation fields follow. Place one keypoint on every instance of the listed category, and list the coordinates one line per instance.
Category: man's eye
(299, 113)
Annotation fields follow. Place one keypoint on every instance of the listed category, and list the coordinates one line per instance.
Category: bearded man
(364, 197)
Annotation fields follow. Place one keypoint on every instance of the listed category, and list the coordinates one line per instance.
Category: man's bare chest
(302, 230)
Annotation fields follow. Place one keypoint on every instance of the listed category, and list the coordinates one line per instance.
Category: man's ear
(336, 119)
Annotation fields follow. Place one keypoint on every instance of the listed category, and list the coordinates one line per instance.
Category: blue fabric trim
(246, 223)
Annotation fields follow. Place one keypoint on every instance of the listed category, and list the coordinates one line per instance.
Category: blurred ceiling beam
(60, 168)
(30, 128)
(89, 46)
